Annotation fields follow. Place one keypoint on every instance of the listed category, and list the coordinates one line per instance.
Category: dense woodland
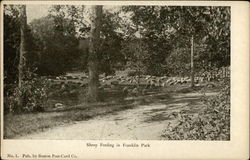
(141, 42)
(163, 33)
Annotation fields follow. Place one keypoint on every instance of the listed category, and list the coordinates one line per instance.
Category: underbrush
(31, 97)
(213, 123)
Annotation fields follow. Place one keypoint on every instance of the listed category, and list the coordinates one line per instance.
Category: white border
(236, 148)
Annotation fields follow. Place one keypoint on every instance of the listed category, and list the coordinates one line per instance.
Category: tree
(136, 55)
(94, 50)
(192, 61)
(111, 40)
(154, 32)
(209, 27)
(169, 28)
(190, 26)
(11, 43)
(62, 55)
(23, 52)
(218, 36)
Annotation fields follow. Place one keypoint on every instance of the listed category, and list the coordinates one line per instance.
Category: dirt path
(144, 122)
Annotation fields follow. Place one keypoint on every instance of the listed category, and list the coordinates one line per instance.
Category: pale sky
(35, 11)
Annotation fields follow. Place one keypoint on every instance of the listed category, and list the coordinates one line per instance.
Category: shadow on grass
(180, 102)
(22, 124)
(16, 125)
(162, 116)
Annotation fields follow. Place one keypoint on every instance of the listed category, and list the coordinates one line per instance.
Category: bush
(33, 93)
(134, 73)
(213, 123)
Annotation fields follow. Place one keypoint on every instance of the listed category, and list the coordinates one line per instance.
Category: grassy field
(73, 108)
(22, 124)
(26, 123)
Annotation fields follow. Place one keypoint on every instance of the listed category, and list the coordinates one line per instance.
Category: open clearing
(142, 122)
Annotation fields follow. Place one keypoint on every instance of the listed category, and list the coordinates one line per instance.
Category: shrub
(33, 93)
(213, 123)
(134, 73)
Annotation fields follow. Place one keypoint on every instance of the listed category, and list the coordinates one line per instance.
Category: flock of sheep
(152, 81)
(145, 80)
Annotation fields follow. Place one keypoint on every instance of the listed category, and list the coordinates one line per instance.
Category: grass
(22, 124)
(16, 125)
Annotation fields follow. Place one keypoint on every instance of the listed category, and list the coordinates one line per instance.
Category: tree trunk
(22, 59)
(192, 62)
(94, 45)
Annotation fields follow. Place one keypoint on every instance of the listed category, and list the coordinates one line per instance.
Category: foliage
(153, 31)
(136, 55)
(162, 29)
(57, 57)
(210, 27)
(110, 57)
(12, 43)
(211, 124)
(132, 73)
(33, 93)
(152, 40)
(167, 28)
(178, 63)
(219, 36)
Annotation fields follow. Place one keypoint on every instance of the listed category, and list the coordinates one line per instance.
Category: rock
(171, 116)
(210, 85)
(147, 77)
(108, 77)
(74, 91)
(112, 86)
(198, 85)
(59, 105)
(64, 78)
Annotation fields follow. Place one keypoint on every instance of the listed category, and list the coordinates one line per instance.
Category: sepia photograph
(116, 72)
(124, 80)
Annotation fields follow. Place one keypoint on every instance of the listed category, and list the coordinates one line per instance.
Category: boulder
(210, 85)
(59, 105)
